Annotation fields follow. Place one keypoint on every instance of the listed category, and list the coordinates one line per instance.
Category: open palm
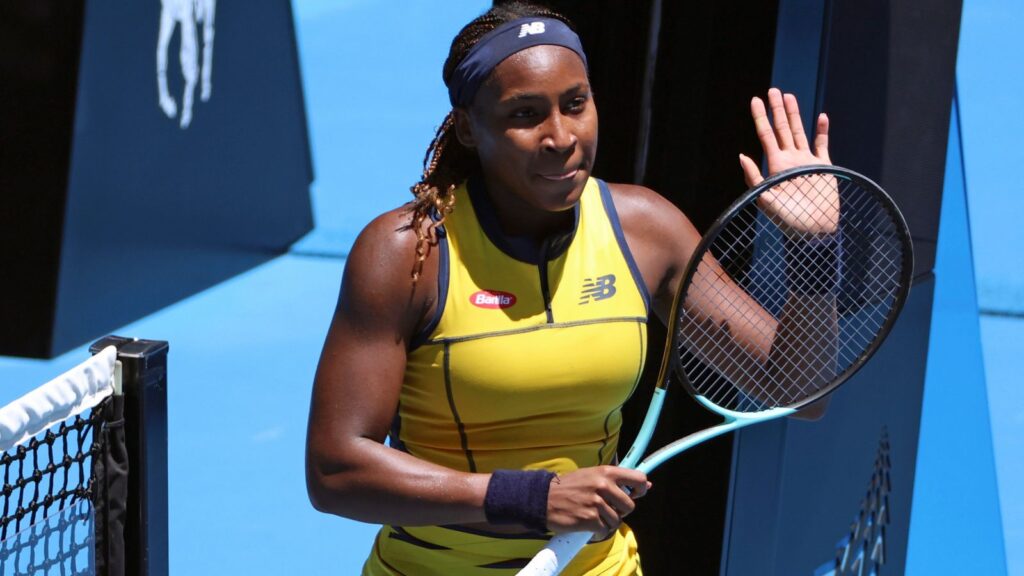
(807, 205)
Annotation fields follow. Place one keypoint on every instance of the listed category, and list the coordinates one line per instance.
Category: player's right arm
(349, 470)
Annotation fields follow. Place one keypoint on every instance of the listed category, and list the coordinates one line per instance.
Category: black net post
(144, 370)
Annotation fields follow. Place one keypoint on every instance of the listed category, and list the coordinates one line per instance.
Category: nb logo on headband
(531, 28)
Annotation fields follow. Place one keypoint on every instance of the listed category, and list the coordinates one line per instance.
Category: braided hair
(447, 162)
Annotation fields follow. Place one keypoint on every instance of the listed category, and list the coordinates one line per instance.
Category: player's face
(534, 126)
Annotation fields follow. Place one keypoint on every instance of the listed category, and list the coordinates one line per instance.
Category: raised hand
(812, 205)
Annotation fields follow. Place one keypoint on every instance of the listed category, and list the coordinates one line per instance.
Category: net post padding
(145, 542)
(110, 496)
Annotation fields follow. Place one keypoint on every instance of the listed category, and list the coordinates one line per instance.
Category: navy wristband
(820, 268)
(519, 497)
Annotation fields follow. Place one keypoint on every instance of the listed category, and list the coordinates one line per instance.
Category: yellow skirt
(433, 550)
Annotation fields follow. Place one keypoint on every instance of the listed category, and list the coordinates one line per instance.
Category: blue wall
(956, 483)
(990, 73)
(167, 210)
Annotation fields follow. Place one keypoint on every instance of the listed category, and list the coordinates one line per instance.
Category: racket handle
(557, 554)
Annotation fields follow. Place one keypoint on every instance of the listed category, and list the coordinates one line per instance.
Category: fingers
(783, 132)
(821, 139)
(636, 484)
(620, 500)
(789, 128)
(796, 125)
(762, 126)
(751, 173)
(783, 137)
(619, 493)
(594, 499)
(610, 519)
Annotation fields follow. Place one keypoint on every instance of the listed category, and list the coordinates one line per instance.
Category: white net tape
(66, 396)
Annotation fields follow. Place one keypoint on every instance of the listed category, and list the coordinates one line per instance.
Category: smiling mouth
(562, 176)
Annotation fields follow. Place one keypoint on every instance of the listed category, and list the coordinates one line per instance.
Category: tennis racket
(768, 320)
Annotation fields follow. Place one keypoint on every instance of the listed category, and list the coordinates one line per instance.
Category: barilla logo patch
(492, 299)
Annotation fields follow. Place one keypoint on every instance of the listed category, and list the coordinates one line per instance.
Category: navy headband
(499, 44)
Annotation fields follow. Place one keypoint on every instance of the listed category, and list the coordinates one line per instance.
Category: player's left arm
(662, 240)
(808, 208)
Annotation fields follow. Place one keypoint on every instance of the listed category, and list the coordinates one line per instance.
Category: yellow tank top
(525, 364)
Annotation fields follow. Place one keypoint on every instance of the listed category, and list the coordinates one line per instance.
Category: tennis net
(68, 503)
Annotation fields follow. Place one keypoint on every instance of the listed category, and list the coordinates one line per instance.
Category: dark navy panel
(160, 205)
(798, 43)
(800, 486)
(887, 84)
(831, 465)
(834, 496)
(749, 543)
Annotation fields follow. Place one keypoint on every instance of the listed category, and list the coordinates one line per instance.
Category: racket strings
(772, 315)
(716, 351)
(808, 201)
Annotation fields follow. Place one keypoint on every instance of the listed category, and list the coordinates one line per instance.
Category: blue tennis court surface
(240, 373)
(374, 98)
(243, 353)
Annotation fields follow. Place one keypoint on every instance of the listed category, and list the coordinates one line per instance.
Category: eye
(523, 113)
(577, 104)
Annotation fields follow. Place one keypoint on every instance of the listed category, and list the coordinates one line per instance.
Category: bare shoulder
(378, 280)
(635, 197)
(660, 237)
(388, 240)
(645, 214)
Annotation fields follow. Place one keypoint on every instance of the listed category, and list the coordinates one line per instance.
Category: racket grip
(557, 554)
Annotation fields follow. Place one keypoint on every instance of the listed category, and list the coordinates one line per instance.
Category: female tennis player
(491, 329)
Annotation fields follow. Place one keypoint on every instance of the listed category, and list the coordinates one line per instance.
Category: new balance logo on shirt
(600, 288)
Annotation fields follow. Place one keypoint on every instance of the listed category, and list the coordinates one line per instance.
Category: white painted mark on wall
(189, 14)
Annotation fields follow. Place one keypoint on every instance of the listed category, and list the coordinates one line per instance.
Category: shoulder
(633, 201)
(647, 215)
(387, 239)
(378, 280)
(660, 237)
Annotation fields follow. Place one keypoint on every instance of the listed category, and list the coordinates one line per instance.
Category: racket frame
(563, 547)
(900, 297)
